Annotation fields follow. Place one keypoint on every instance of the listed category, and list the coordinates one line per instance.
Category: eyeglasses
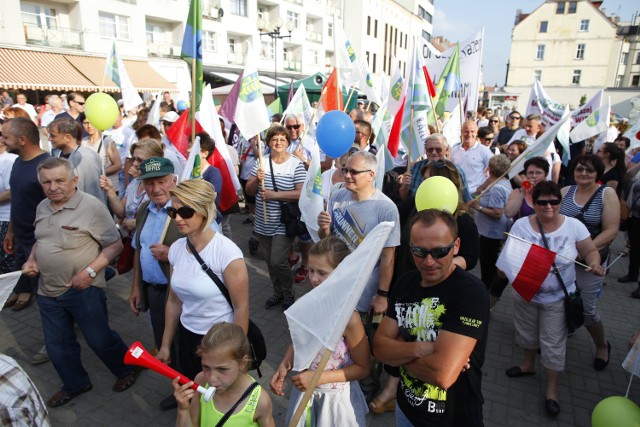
(433, 150)
(353, 172)
(436, 253)
(515, 117)
(78, 102)
(488, 138)
(296, 127)
(185, 212)
(552, 202)
(494, 121)
(534, 173)
(581, 169)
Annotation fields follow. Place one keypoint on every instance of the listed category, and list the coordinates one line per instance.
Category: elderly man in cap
(76, 239)
(155, 232)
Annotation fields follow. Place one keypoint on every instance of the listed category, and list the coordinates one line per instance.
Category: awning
(230, 77)
(28, 69)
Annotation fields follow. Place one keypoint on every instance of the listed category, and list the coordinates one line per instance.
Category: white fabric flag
(311, 199)
(318, 319)
(451, 129)
(596, 123)
(563, 137)
(587, 108)
(119, 76)
(7, 283)
(366, 84)
(210, 122)
(537, 149)
(194, 152)
(154, 114)
(634, 135)
(551, 111)
(251, 115)
(300, 106)
(345, 57)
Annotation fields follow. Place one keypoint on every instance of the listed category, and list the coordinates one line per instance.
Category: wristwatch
(382, 293)
(480, 208)
(92, 273)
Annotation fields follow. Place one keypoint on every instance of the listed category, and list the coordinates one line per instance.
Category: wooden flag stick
(557, 254)
(264, 202)
(346, 105)
(409, 148)
(310, 388)
(193, 98)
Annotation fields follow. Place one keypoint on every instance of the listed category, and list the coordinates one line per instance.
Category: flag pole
(351, 92)
(264, 202)
(310, 388)
(557, 254)
(409, 148)
(193, 96)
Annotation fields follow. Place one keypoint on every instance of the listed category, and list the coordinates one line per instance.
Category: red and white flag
(526, 265)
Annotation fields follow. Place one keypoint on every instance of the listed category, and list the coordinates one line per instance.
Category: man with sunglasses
(506, 133)
(353, 211)
(155, 232)
(435, 330)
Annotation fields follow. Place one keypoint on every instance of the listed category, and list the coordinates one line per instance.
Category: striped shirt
(592, 218)
(287, 175)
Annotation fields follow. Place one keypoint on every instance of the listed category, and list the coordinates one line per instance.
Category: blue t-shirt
(26, 194)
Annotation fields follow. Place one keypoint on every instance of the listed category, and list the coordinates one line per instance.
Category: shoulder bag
(254, 334)
(290, 214)
(573, 306)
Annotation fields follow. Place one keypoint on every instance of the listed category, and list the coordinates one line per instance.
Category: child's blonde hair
(227, 336)
(334, 248)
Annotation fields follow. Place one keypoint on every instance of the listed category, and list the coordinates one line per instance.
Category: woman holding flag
(539, 313)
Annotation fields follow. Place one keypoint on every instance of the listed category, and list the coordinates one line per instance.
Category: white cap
(170, 117)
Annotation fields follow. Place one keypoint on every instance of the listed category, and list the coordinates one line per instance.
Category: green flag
(449, 81)
(192, 50)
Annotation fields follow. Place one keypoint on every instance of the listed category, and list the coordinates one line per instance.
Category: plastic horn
(138, 355)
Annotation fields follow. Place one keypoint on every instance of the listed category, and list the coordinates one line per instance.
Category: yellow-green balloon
(437, 192)
(615, 411)
(101, 110)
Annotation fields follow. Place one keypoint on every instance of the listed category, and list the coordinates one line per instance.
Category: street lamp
(272, 29)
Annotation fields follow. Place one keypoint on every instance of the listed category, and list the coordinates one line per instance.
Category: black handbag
(290, 214)
(573, 305)
(254, 334)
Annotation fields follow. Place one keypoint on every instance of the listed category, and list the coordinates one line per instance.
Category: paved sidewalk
(509, 402)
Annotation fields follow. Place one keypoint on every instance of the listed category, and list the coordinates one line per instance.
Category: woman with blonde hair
(195, 302)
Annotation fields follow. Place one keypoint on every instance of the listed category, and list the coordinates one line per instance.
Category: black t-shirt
(459, 304)
(26, 194)
(505, 134)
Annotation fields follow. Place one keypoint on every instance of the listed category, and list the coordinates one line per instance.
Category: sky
(457, 20)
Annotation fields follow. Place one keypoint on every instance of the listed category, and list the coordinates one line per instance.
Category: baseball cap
(155, 167)
(170, 116)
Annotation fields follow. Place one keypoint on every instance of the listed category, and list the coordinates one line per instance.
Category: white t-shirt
(6, 164)
(203, 304)
(473, 163)
(522, 135)
(562, 241)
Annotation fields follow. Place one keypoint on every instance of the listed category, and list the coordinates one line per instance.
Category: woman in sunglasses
(541, 323)
(195, 302)
(598, 208)
(288, 174)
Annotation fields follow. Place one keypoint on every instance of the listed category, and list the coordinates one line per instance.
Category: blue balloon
(335, 133)
(182, 105)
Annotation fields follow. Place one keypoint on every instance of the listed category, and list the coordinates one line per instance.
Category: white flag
(451, 128)
(311, 199)
(194, 153)
(563, 137)
(115, 70)
(345, 57)
(596, 123)
(154, 114)
(7, 283)
(634, 135)
(251, 115)
(318, 319)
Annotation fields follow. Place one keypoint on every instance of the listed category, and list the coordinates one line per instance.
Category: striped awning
(28, 69)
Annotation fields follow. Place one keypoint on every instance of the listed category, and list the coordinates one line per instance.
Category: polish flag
(526, 265)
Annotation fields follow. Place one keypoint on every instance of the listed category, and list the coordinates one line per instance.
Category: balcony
(314, 36)
(295, 1)
(163, 50)
(293, 65)
(236, 58)
(52, 37)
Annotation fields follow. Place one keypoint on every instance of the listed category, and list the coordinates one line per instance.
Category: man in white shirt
(533, 129)
(57, 107)
(21, 98)
(471, 156)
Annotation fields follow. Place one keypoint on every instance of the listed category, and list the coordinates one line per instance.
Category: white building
(62, 43)
(573, 49)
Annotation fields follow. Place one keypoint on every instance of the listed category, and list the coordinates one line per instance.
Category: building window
(368, 25)
(560, 8)
(580, 51)
(315, 57)
(374, 62)
(262, 13)
(375, 28)
(618, 81)
(232, 46)
(113, 25)
(239, 7)
(267, 50)
(584, 25)
(543, 26)
(425, 35)
(540, 52)
(623, 58)
(635, 80)
(537, 74)
(330, 29)
(576, 77)
(573, 5)
(37, 15)
(155, 33)
(637, 61)
(209, 41)
(293, 17)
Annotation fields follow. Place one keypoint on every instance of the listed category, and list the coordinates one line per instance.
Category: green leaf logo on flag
(396, 90)
(196, 173)
(317, 183)
(593, 119)
(251, 88)
(369, 81)
(350, 51)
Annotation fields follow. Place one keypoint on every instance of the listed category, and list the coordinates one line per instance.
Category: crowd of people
(76, 203)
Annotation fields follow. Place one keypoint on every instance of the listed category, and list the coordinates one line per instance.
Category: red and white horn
(138, 355)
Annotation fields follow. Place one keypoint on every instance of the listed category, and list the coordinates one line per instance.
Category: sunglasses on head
(185, 212)
(436, 253)
(552, 202)
(296, 127)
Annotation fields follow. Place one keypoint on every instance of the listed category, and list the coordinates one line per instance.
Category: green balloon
(616, 411)
(437, 192)
(101, 110)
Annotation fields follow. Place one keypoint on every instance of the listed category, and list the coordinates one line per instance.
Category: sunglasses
(353, 172)
(434, 150)
(494, 121)
(489, 138)
(552, 202)
(185, 212)
(78, 102)
(436, 253)
(296, 127)
(581, 169)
